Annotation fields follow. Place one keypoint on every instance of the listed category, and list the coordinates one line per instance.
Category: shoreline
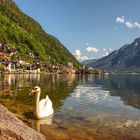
(11, 127)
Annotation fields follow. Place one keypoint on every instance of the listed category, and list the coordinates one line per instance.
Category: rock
(11, 128)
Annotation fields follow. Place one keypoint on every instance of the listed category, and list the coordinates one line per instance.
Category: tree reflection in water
(93, 106)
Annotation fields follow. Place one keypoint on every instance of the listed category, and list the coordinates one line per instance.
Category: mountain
(23, 33)
(127, 58)
(87, 62)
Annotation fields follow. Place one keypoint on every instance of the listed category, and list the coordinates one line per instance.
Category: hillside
(27, 36)
(125, 59)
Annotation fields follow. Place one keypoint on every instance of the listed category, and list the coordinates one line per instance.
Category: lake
(86, 107)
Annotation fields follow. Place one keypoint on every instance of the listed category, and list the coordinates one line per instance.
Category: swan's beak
(33, 91)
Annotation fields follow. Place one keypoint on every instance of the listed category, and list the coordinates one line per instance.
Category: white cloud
(105, 54)
(137, 24)
(77, 53)
(104, 49)
(83, 58)
(111, 49)
(79, 56)
(91, 49)
(120, 19)
(127, 23)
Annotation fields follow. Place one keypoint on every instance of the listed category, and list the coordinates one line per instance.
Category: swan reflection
(44, 122)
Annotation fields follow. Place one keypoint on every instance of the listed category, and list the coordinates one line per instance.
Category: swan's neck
(37, 112)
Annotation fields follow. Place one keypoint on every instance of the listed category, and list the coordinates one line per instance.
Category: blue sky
(87, 28)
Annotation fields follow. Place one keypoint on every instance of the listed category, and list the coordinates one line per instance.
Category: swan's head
(36, 89)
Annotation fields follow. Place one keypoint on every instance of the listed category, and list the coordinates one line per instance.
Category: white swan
(43, 107)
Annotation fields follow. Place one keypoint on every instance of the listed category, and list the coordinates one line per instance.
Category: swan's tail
(47, 97)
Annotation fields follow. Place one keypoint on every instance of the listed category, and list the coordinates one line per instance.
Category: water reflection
(19, 80)
(15, 89)
(93, 106)
(125, 86)
(43, 123)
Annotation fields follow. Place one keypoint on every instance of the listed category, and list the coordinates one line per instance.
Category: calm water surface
(86, 107)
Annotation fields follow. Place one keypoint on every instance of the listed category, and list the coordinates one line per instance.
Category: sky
(89, 29)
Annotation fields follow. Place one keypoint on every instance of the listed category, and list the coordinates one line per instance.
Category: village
(10, 65)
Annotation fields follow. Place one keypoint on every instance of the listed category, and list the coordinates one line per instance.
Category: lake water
(87, 107)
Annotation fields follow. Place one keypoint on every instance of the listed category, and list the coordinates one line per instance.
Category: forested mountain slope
(27, 36)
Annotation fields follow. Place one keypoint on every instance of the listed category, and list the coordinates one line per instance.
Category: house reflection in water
(20, 80)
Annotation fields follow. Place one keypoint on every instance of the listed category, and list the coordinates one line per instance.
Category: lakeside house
(10, 64)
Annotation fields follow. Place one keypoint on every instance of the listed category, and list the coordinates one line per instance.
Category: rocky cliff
(127, 58)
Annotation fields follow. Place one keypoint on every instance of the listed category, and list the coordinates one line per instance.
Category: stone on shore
(11, 128)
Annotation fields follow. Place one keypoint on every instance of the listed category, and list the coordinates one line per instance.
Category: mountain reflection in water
(127, 87)
(87, 107)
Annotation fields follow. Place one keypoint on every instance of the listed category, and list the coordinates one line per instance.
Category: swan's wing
(45, 105)
(42, 104)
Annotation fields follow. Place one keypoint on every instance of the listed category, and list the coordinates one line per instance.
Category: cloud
(77, 53)
(137, 24)
(111, 49)
(120, 19)
(79, 56)
(108, 49)
(83, 58)
(91, 49)
(127, 23)
(104, 49)
(105, 54)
